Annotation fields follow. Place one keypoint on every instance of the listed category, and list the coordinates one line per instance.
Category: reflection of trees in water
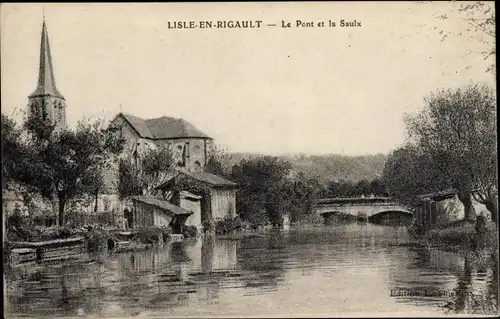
(207, 254)
(55, 290)
(477, 291)
(476, 287)
(264, 258)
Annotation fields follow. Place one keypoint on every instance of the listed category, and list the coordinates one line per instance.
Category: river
(346, 270)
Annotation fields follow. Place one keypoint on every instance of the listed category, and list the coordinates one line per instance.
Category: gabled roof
(164, 205)
(204, 177)
(210, 179)
(163, 127)
(46, 80)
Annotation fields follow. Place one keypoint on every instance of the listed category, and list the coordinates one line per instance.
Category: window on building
(44, 111)
(187, 150)
(59, 112)
(197, 166)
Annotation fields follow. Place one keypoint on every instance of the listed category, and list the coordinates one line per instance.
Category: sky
(268, 90)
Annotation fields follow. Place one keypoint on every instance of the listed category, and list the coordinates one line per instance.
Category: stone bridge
(371, 207)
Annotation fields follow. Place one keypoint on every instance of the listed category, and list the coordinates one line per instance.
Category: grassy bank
(459, 236)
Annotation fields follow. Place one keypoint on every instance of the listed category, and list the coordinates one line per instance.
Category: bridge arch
(397, 214)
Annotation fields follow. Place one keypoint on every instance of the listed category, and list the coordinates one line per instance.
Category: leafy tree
(11, 150)
(263, 188)
(128, 183)
(302, 192)
(457, 131)
(219, 161)
(378, 188)
(408, 172)
(362, 188)
(139, 174)
(63, 165)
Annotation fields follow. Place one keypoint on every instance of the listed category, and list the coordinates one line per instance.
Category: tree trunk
(96, 203)
(491, 205)
(469, 211)
(54, 205)
(62, 203)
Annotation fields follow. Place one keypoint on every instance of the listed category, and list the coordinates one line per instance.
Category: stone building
(190, 147)
(208, 196)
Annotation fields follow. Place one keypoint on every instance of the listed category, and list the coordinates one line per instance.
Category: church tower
(47, 102)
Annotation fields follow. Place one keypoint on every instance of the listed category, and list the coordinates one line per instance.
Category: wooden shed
(442, 207)
(151, 211)
(217, 195)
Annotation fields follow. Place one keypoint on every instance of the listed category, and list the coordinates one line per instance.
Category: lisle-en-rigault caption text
(256, 24)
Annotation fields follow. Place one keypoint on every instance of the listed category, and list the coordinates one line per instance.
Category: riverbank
(459, 235)
(66, 242)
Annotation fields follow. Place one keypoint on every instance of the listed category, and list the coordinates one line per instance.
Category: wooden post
(4, 230)
(433, 212)
(427, 212)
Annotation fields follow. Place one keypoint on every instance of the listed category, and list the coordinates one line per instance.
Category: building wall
(55, 109)
(195, 207)
(148, 215)
(192, 152)
(454, 209)
(128, 133)
(447, 210)
(223, 203)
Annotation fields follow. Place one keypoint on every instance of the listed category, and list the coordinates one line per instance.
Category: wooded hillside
(330, 167)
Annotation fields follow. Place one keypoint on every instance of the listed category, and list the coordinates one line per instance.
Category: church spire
(46, 81)
(46, 102)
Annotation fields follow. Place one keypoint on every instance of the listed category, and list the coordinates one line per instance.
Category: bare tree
(480, 17)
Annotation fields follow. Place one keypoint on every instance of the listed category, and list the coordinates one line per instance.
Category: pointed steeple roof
(46, 81)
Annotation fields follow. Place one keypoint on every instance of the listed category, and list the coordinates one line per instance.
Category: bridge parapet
(355, 207)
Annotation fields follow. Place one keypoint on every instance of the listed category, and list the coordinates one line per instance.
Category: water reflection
(454, 282)
(325, 270)
(263, 259)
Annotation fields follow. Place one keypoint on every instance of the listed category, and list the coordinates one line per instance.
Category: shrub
(75, 218)
(97, 239)
(310, 219)
(190, 231)
(149, 235)
(227, 225)
(18, 220)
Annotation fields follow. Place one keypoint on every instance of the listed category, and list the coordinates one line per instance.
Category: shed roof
(210, 179)
(163, 127)
(204, 177)
(164, 205)
(438, 196)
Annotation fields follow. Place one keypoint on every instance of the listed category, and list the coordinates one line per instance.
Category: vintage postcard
(272, 159)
